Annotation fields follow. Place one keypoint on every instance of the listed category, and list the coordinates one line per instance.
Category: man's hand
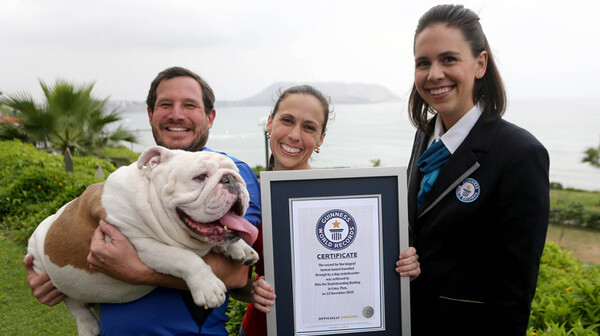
(41, 286)
(117, 257)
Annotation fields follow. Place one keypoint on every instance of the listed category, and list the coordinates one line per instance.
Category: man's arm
(118, 259)
(232, 274)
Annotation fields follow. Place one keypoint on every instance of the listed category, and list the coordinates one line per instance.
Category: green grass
(21, 313)
(561, 198)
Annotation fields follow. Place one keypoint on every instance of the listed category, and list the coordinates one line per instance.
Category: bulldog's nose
(229, 182)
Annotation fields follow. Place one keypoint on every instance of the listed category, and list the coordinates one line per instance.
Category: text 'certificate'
(337, 264)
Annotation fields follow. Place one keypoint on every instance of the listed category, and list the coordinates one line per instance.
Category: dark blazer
(480, 258)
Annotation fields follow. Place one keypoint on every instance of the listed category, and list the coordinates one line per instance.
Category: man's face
(179, 120)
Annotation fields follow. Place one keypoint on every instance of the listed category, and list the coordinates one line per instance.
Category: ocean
(360, 134)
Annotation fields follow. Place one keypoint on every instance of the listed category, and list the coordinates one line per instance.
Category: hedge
(34, 185)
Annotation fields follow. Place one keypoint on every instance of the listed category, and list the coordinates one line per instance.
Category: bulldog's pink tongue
(247, 231)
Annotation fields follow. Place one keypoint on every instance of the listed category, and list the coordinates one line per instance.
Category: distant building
(7, 114)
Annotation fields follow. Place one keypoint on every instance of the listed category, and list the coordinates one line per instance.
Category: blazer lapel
(463, 162)
(414, 176)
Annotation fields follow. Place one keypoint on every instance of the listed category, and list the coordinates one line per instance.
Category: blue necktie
(430, 163)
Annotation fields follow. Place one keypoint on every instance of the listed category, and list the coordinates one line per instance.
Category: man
(181, 112)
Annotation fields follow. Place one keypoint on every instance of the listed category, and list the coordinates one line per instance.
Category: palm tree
(69, 118)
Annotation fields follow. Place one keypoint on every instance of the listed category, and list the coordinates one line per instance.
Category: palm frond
(71, 117)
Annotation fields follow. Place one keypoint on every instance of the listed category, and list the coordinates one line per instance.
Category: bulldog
(174, 206)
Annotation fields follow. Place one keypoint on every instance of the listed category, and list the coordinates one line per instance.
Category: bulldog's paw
(208, 291)
(242, 253)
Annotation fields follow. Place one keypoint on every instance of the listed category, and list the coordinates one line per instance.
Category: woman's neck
(277, 166)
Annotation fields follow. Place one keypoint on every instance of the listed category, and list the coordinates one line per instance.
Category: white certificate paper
(337, 265)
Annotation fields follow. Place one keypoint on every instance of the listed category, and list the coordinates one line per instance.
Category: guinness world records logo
(336, 229)
(468, 190)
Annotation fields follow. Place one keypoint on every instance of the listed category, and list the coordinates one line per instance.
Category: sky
(544, 49)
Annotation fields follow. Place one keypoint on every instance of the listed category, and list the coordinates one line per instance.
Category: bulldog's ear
(152, 156)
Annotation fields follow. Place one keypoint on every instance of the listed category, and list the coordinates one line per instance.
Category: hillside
(340, 93)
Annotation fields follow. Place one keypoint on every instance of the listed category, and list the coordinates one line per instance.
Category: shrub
(257, 169)
(34, 185)
(120, 156)
(573, 213)
(593, 221)
(235, 311)
(567, 299)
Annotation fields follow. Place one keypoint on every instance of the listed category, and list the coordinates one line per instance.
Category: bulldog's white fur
(168, 205)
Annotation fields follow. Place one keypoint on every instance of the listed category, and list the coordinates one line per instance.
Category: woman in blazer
(479, 200)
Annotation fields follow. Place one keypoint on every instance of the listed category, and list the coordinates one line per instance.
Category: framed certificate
(331, 240)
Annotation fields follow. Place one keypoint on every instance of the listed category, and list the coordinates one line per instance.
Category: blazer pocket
(469, 316)
(460, 300)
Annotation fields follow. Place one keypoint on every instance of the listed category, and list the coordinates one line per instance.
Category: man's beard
(195, 146)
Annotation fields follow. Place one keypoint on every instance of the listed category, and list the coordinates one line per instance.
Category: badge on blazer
(468, 190)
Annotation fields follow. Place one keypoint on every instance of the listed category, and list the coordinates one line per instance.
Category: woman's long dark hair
(488, 90)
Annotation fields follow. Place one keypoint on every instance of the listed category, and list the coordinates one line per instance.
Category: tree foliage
(592, 156)
(70, 117)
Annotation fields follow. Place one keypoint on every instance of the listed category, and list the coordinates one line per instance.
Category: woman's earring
(268, 135)
(317, 150)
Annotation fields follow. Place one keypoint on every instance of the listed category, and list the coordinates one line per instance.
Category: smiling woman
(296, 131)
(479, 233)
(444, 70)
(296, 127)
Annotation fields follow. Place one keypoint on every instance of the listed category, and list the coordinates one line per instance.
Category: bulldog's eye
(201, 177)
